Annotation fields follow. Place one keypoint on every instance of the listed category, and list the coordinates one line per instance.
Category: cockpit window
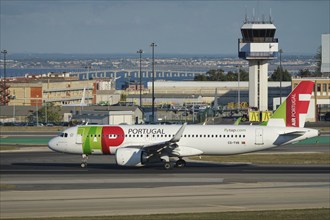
(64, 134)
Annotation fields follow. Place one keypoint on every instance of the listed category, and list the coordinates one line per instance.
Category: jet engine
(130, 157)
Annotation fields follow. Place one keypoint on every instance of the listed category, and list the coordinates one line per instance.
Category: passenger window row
(215, 135)
(166, 135)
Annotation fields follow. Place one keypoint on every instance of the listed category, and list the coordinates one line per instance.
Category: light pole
(140, 52)
(153, 45)
(4, 52)
(46, 116)
(238, 88)
(280, 51)
(37, 100)
(193, 96)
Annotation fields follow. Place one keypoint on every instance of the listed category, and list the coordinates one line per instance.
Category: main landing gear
(84, 160)
(168, 165)
(180, 163)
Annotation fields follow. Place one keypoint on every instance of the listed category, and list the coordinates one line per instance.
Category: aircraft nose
(52, 144)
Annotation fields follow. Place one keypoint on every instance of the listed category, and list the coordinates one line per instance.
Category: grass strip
(3, 148)
(7, 186)
(25, 140)
(316, 140)
(294, 214)
(287, 158)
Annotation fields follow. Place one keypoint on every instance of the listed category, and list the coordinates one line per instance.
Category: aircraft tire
(180, 163)
(83, 165)
(167, 165)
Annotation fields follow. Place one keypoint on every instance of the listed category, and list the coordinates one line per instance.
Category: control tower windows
(258, 35)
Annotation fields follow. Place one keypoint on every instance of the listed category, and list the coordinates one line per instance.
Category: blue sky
(177, 27)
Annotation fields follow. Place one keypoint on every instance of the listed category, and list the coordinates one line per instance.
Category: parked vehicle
(327, 116)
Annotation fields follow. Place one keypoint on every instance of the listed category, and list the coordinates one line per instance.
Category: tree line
(220, 75)
(278, 74)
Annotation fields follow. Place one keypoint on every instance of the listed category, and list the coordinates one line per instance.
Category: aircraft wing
(160, 146)
(157, 148)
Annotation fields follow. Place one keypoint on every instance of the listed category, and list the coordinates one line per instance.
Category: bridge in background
(133, 73)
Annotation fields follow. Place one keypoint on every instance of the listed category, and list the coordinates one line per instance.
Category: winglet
(179, 133)
(238, 121)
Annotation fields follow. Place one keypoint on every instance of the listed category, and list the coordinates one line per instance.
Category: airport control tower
(257, 46)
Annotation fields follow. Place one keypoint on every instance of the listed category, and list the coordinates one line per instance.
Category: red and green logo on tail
(294, 109)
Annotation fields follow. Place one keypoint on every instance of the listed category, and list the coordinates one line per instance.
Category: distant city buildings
(66, 88)
(60, 90)
(320, 102)
(21, 66)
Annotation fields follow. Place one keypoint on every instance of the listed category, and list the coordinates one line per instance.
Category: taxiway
(39, 184)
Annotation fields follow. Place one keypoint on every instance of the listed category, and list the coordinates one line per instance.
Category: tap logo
(297, 104)
(112, 136)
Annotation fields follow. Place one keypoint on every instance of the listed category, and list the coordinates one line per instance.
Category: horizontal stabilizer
(299, 133)
(287, 137)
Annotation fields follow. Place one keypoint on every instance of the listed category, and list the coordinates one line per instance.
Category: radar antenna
(246, 17)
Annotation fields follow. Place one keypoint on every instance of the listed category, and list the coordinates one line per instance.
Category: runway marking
(120, 180)
(39, 171)
(119, 197)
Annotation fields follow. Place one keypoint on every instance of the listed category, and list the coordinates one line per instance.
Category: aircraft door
(259, 140)
(79, 137)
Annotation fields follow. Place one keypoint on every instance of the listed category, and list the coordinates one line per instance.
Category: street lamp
(193, 96)
(239, 90)
(153, 45)
(37, 113)
(4, 52)
(140, 52)
(280, 51)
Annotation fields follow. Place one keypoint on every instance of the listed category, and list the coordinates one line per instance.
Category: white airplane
(139, 145)
(82, 102)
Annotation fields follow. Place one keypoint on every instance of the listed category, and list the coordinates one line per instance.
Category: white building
(177, 92)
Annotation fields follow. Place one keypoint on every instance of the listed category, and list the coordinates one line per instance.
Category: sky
(177, 27)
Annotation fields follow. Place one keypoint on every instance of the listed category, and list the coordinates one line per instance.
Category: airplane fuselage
(137, 145)
(195, 140)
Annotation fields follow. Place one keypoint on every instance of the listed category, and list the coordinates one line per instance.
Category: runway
(38, 184)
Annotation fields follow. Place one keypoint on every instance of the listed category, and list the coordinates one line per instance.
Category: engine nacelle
(132, 157)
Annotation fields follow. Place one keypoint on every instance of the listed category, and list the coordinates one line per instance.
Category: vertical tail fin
(294, 109)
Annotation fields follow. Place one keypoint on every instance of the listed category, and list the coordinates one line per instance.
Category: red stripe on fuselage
(112, 136)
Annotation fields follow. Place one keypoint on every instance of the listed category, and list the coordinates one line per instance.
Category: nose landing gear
(84, 160)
